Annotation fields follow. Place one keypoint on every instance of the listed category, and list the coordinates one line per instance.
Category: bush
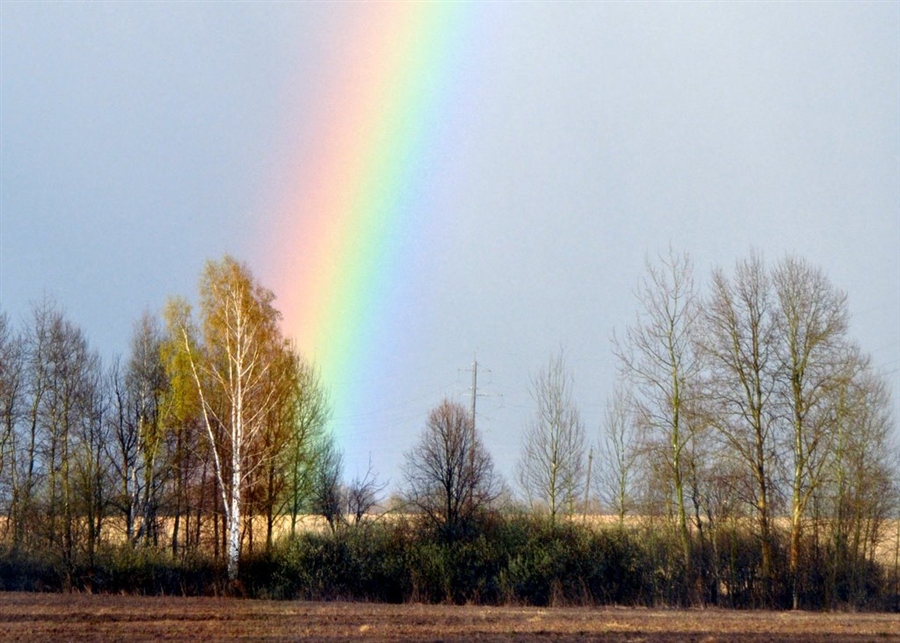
(515, 559)
(140, 570)
(27, 572)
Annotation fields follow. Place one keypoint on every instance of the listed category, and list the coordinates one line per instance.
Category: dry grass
(887, 549)
(54, 617)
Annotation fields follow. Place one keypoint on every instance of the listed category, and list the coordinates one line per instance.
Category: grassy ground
(58, 617)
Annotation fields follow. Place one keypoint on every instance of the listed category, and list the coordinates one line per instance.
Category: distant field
(56, 617)
(887, 549)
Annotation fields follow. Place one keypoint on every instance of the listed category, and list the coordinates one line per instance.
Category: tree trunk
(794, 554)
(234, 522)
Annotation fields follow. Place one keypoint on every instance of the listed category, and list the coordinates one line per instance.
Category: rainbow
(344, 236)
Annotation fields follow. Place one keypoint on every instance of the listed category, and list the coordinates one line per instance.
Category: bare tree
(138, 448)
(146, 383)
(449, 474)
(64, 401)
(91, 463)
(619, 450)
(11, 408)
(551, 468)
(29, 472)
(657, 355)
(738, 346)
(123, 449)
(334, 501)
(859, 490)
(812, 325)
(364, 494)
(327, 489)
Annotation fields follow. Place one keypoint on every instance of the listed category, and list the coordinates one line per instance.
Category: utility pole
(474, 397)
(587, 486)
(475, 394)
(474, 388)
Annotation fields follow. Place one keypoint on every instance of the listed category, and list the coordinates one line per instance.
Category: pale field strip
(887, 548)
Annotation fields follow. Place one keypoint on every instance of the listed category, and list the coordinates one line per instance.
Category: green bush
(515, 559)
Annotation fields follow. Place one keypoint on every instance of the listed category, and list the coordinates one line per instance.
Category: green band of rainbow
(356, 205)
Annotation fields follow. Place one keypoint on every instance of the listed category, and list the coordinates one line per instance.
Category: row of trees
(749, 402)
(209, 422)
(745, 409)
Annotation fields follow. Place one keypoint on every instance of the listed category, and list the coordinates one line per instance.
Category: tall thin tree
(812, 322)
(738, 347)
(234, 378)
(551, 468)
(657, 355)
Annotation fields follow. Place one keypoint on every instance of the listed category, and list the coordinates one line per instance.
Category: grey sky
(139, 140)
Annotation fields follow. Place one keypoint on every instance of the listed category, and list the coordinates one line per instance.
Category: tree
(657, 355)
(309, 411)
(91, 462)
(327, 490)
(11, 402)
(58, 446)
(28, 472)
(234, 378)
(816, 361)
(449, 474)
(147, 385)
(364, 494)
(274, 443)
(124, 451)
(738, 347)
(551, 468)
(619, 450)
(182, 423)
(138, 450)
(859, 491)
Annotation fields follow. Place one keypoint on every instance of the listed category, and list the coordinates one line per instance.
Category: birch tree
(232, 371)
(181, 419)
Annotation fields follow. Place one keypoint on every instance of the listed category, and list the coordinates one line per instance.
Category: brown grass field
(81, 617)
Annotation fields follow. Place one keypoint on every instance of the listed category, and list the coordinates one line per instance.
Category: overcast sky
(577, 139)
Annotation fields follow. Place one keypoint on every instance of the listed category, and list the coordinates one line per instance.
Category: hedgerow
(500, 559)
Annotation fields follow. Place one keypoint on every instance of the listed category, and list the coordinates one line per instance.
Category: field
(80, 617)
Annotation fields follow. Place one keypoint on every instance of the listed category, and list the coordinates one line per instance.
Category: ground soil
(80, 617)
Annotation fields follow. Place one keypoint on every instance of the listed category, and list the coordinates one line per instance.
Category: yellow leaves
(182, 401)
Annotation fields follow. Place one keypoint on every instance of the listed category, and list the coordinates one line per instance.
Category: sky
(508, 169)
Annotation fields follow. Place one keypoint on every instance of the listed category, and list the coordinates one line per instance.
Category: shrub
(514, 559)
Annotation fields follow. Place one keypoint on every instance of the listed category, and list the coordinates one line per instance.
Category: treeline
(207, 421)
(746, 459)
(747, 402)
(505, 558)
